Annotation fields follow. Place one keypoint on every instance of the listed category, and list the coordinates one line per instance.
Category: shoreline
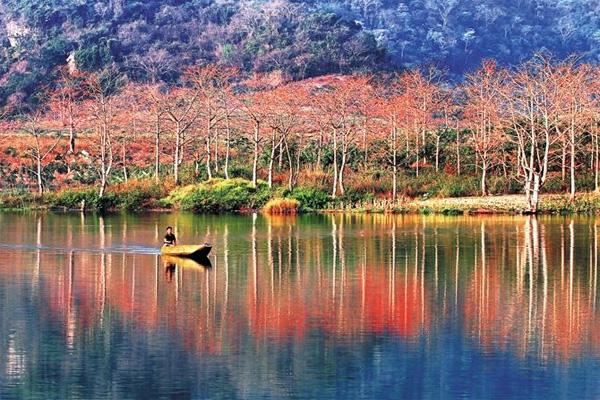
(585, 203)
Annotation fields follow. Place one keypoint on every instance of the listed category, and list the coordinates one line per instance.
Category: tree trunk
(365, 147)
(291, 166)
(533, 205)
(563, 163)
(208, 158)
(280, 160)
(216, 151)
(255, 160)
(102, 186)
(394, 182)
(297, 171)
(483, 177)
(271, 160)
(527, 188)
(437, 153)
(319, 147)
(123, 156)
(596, 157)
(572, 150)
(457, 152)
(157, 150)
(71, 134)
(394, 164)
(106, 156)
(207, 144)
(39, 173)
(417, 151)
(335, 166)
(504, 169)
(104, 168)
(227, 146)
(342, 167)
(177, 150)
(105, 171)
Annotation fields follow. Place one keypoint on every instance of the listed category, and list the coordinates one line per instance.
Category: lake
(342, 306)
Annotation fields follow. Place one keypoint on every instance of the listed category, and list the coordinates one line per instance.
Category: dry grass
(506, 203)
(549, 203)
(315, 178)
(281, 206)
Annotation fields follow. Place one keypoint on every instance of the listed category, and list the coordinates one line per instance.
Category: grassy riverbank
(584, 203)
(238, 195)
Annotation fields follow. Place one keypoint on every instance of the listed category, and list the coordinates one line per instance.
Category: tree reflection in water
(522, 286)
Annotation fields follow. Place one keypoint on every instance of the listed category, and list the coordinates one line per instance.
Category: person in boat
(170, 239)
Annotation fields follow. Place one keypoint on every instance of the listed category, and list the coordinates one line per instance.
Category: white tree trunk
(271, 160)
(394, 165)
(227, 146)
(255, 160)
(176, 155)
(157, 151)
(335, 166)
(39, 173)
(572, 150)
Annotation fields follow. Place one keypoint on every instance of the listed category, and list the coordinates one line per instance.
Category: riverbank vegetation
(216, 142)
(238, 195)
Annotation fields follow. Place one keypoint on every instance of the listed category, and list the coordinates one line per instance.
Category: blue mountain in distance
(153, 40)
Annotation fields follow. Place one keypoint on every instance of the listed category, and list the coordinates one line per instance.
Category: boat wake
(124, 249)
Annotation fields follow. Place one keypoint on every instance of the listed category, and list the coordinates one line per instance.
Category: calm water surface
(312, 307)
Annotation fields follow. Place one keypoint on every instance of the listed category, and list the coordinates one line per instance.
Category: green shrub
(240, 171)
(16, 199)
(220, 195)
(310, 198)
(72, 198)
(164, 203)
(432, 184)
(134, 200)
(137, 195)
(452, 211)
(353, 196)
(109, 201)
(427, 183)
(458, 186)
(498, 184)
(262, 194)
(555, 184)
(585, 182)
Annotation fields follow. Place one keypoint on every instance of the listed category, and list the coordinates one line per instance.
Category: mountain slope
(156, 39)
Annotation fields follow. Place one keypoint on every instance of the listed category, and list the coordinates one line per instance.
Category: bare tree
(40, 148)
(482, 91)
(527, 109)
(101, 88)
(155, 64)
(182, 111)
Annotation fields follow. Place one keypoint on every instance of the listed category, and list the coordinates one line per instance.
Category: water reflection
(290, 292)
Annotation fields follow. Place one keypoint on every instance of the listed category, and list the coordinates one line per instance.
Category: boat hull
(186, 250)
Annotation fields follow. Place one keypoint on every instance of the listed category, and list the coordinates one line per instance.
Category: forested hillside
(154, 40)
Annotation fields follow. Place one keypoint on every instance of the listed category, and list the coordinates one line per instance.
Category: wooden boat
(197, 263)
(186, 250)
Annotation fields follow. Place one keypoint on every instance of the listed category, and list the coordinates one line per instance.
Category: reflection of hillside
(510, 284)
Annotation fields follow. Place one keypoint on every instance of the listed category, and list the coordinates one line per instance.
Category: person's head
(169, 229)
